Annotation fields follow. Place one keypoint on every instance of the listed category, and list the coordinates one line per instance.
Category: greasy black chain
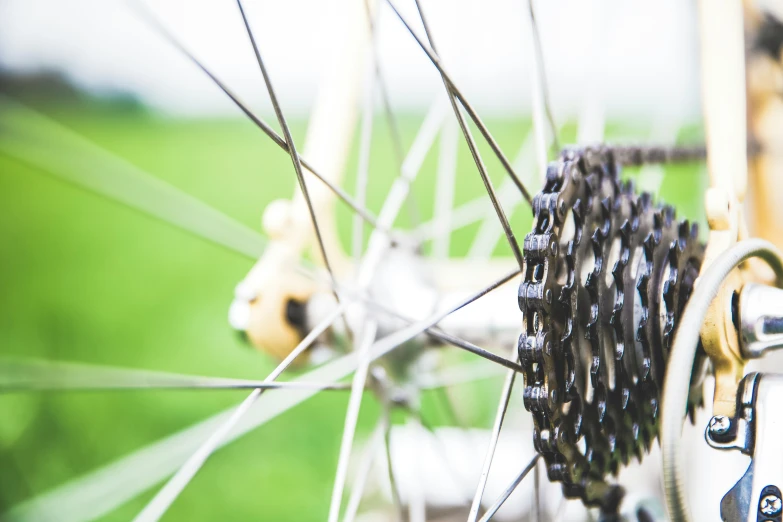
(606, 276)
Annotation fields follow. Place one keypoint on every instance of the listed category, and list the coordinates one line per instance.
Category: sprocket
(607, 274)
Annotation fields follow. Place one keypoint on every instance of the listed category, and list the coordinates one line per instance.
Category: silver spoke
(411, 166)
(458, 374)
(592, 114)
(440, 448)
(462, 216)
(166, 496)
(38, 141)
(439, 334)
(400, 189)
(391, 121)
(446, 179)
(393, 486)
(291, 149)
(99, 492)
(488, 234)
(260, 123)
(363, 169)
(417, 502)
(536, 490)
(650, 177)
(450, 89)
(509, 490)
(169, 493)
(391, 341)
(352, 416)
(472, 348)
(363, 471)
(28, 375)
(505, 395)
(539, 76)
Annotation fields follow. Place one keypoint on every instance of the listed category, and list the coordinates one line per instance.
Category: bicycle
(284, 305)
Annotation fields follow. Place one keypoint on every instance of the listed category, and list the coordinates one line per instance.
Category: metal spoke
(352, 416)
(446, 404)
(473, 149)
(465, 214)
(487, 236)
(400, 190)
(539, 76)
(446, 179)
(260, 123)
(393, 486)
(509, 490)
(386, 100)
(169, 493)
(505, 395)
(458, 374)
(417, 502)
(452, 88)
(30, 375)
(411, 165)
(363, 471)
(441, 449)
(537, 490)
(40, 142)
(289, 139)
(592, 114)
(166, 496)
(391, 341)
(391, 120)
(439, 334)
(472, 348)
(363, 169)
(103, 490)
(650, 177)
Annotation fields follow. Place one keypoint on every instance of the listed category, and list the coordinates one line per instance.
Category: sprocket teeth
(634, 221)
(606, 212)
(626, 229)
(668, 216)
(657, 223)
(645, 201)
(578, 211)
(613, 306)
(695, 232)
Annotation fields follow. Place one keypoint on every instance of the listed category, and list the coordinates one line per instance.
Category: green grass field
(85, 279)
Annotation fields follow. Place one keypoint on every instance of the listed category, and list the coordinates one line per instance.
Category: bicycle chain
(606, 277)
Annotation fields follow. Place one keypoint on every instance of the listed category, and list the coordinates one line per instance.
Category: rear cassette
(606, 278)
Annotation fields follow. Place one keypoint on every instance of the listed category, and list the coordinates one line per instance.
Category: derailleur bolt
(720, 425)
(770, 505)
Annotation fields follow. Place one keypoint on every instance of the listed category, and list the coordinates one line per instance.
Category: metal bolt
(719, 425)
(770, 505)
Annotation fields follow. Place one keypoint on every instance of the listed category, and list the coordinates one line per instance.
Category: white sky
(641, 56)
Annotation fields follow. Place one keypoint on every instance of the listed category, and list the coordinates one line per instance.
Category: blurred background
(85, 279)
